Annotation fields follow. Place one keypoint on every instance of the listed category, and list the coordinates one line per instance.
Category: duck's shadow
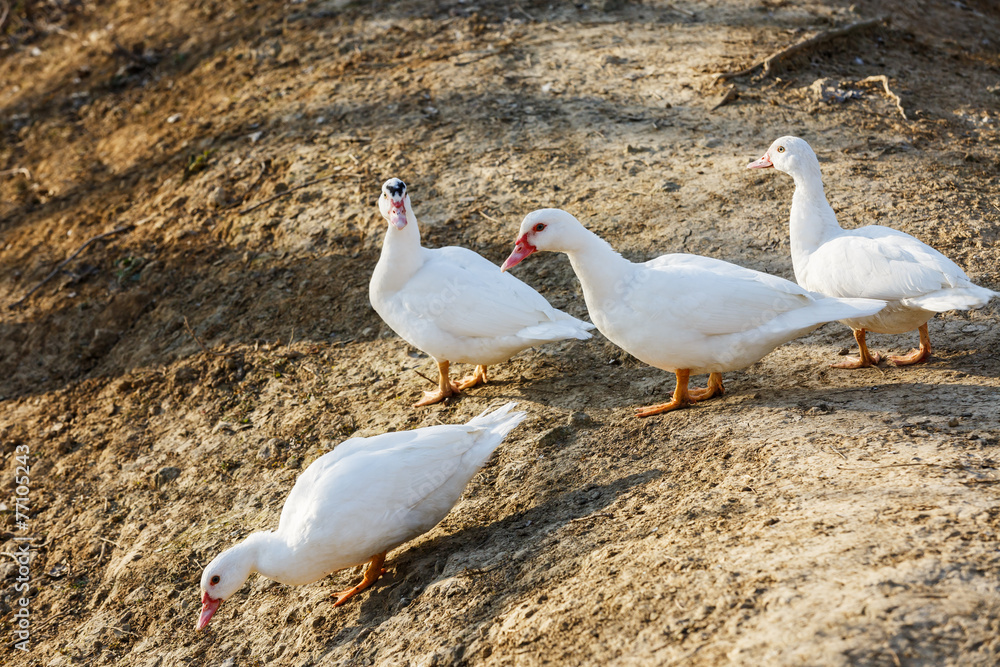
(504, 549)
(908, 399)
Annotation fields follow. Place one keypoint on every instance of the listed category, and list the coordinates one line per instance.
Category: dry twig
(897, 465)
(55, 271)
(884, 80)
(529, 16)
(484, 56)
(590, 517)
(287, 192)
(488, 217)
(677, 9)
(253, 186)
(201, 344)
(801, 46)
(424, 377)
(16, 170)
(726, 98)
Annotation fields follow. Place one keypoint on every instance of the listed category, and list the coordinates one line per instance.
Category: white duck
(874, 261)
(682, 313)
(456, 305)
(355, 503)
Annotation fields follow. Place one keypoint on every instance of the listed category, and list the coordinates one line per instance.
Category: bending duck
(874, 261)
(454, 304)
(682, 313)
(355, 503)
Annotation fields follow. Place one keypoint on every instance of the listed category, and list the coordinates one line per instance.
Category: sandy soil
(810, 516)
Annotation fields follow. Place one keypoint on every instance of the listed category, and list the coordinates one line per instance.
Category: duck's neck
(270, 556)
(603, 273)
(812, 221)
(401, 257)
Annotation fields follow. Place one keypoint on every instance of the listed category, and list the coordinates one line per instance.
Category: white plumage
(683, 313)
(357, 502)
(454, 304)
(877, 262)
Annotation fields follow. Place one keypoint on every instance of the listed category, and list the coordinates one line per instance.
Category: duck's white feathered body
(874, 262)
(683, 312)
(360, 500)
(456, 305)
(370, 495)
(690, 312)
(878, 262)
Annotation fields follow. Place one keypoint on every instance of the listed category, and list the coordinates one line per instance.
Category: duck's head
(394, 202)
(788, 154)
(545, 229)
(224, 576)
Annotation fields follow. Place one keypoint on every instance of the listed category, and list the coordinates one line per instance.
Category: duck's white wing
(881, 263)
(710, 296)
(466, 295)
(387, 490)
(312, 480)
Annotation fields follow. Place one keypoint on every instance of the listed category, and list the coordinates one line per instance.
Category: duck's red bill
(209, 606)
(521, 250)
(397, 215)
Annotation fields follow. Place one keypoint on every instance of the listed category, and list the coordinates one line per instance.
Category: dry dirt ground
(810, 516)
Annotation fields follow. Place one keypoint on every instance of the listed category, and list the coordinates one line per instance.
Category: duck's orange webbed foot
(650, 410)
(446, 388)
(865, 359)
(478, 377)
(713, 389)
(919, 355)
(432, 397)
(372, 573)
(857, 362)
(681, 398)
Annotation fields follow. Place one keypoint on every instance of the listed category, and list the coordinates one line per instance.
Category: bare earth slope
(810, 516)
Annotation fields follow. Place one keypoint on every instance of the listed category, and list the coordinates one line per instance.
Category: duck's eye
(539, 227)
(215, 580)
(781, 149)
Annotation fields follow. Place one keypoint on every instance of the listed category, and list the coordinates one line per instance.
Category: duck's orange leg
(922, 353)
(372, 574)
(478, 377)
(445, 388)
(714, 388)
(864, 359)
(681, 397)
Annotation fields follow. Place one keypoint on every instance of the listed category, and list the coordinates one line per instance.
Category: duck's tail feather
(489, 430)
(558, 330)
(823, 310)
(500, 421)
(953, 298)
